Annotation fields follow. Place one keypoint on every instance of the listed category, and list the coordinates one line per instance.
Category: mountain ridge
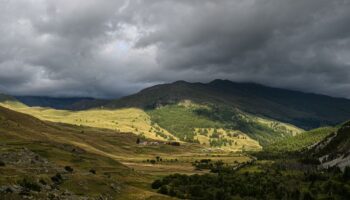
(306, 110)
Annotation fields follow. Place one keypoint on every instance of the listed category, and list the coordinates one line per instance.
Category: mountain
(57, 103)
(4, 97)
(304, 110)
(62, 103)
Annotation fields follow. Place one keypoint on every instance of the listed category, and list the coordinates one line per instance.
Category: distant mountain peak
(181, 82)
(4, 97)
(232, 83)
(220, 81)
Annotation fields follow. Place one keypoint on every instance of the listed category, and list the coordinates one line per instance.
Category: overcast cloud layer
(107, 48)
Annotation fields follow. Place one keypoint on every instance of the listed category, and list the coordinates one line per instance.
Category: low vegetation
(216, 125)
(264, 180)
(181, 121)
(301, 141)
(286, 170)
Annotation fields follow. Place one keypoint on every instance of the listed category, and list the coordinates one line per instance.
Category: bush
(158, 158)
(163, 189)
(308, 196)
(68, 169)
(42, 182)
(203, 164)
(2, 163)
(57, 179)
(153, 161)
(346, 174)
(30, 185)
(156, 184)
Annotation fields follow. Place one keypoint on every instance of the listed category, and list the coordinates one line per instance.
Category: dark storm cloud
(108, 48)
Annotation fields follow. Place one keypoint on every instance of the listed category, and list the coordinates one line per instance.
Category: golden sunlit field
(121, 120)
(238, 140)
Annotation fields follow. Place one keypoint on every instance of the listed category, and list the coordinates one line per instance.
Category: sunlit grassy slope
(186, 125)
(122, 120)
(301, 141)
(219, 127)
(137, 121)
(56, 143)
(226, 139)
(279, 126)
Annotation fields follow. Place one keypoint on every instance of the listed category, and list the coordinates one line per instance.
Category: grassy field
(195, 128)
(226, 139)
(186, 122)
(279, 126)
(219, 127)
(123, 169)
(121, 120)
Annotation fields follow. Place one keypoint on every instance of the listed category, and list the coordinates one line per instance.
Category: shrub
(68, 169)
(346, 174)
(307, 196)
(30, 185)
(57, 179)
(153, 161)
(156, 184)
(163, 189)
(42, 182)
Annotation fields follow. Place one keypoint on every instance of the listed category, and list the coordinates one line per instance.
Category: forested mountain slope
(301, 109)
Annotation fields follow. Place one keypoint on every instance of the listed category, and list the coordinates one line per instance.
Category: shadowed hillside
(4, 98)
(57, 103)
(301, 109)
(334, 150)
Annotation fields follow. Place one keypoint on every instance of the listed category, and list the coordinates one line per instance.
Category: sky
(111, 48)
